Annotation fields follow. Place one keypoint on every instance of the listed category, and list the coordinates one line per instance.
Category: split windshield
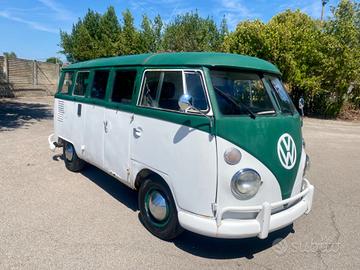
(247, 93)
(281, 96)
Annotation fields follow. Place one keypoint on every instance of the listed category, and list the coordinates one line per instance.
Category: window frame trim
(76, 77)
(276, 95)
(122, 69)
(268, 91)
(208, 112)
(62, 80)
(93, 71)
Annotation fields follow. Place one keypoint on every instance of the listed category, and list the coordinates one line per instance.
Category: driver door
(176, 143)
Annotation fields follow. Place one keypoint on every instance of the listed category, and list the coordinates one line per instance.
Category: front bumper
(265, 220)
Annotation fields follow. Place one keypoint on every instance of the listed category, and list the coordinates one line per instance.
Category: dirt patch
(15, 113)
(349, 112)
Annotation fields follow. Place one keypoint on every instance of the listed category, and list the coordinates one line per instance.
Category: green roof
(181, 59)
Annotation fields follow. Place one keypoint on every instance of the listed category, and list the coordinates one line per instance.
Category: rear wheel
(72, 161)
(158, 210)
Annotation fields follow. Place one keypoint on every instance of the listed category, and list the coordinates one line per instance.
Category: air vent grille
(61, 111)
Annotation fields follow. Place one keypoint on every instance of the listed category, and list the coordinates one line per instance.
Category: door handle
(137, 132)
(79, 110)
(106, 126)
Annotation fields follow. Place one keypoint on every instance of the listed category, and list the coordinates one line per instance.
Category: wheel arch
(144, 173)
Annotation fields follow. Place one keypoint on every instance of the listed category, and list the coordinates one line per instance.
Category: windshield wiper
(229, 98)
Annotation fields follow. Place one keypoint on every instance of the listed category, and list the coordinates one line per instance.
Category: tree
(147, 36)
(10, 54)
(93, 36)
(319, 61)
(110, 34)
(224, 29)
(342, 71)
(248, 38)
(151, 34)
(190, 32)
(54, 60)
(130, 36)
(83, 42)
(158, 32)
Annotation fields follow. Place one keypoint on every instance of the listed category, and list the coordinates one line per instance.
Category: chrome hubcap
(69, 152)
(158, 206)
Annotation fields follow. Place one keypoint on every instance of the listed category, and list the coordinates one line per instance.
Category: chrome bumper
(52, 140)
(260, 226)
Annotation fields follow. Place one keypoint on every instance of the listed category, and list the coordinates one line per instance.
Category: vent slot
(61, 111)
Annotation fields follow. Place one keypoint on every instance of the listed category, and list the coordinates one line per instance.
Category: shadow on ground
(215, 248)
(15, 114)
(112, 186)
(192, 243)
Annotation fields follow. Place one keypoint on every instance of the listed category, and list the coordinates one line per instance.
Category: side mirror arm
(210, 118)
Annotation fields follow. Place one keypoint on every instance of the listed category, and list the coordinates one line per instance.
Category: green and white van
(211, 141)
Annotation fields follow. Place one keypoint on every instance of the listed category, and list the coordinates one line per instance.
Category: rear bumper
(264, 222)
(53, 142)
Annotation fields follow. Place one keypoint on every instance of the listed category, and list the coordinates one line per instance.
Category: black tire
(74, 164)
(167, 229)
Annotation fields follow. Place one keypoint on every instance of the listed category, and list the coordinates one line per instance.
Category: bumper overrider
(268, 218)
(54, 142)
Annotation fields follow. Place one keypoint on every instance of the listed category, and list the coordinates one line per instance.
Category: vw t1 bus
(211, 141)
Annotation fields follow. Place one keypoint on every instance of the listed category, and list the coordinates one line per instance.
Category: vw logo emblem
(286, 150)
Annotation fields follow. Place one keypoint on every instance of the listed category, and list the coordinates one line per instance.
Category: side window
(123, 86)
(195, 88)
(150, 87)
(98, 88)
(67, 83)
(162, 89)
(82, 81)
(171, 90)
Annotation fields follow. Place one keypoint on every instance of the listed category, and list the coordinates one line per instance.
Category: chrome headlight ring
(245, 184)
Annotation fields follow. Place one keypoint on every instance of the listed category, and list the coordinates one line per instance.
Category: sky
(31, 28)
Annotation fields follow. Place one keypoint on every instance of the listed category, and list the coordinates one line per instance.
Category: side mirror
(301, 105)
(185, 102)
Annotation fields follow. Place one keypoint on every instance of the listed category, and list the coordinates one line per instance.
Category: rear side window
(67, 83)
(98, 89)
(123, 86)
(82, 81)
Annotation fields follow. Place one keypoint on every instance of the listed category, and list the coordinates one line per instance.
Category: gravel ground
(52, 218)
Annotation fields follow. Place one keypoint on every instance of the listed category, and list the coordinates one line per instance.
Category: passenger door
(175, 143)
(78, 112)
(95, 126)
(117, 119)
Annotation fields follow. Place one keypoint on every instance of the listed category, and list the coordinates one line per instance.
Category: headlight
(232, 156)
(245, 184)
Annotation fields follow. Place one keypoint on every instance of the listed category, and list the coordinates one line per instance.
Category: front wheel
(158, 210)
(72, 161)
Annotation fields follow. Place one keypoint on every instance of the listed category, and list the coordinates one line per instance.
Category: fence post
(35, 79)
(6, 69)
(58, 71)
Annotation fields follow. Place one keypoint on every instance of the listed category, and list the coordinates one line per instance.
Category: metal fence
(27, 77)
